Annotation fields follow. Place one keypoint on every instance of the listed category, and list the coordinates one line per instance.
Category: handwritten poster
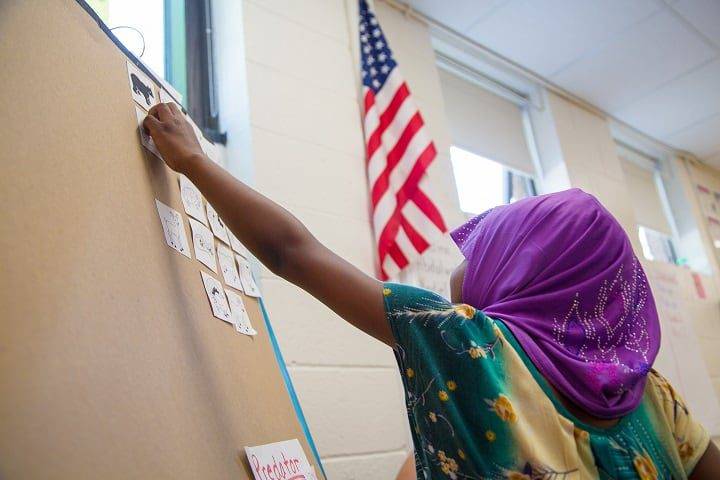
(680, 358)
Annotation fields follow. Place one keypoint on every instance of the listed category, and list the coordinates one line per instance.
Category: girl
(542, 372)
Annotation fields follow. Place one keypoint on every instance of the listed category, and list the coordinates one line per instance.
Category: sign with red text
(279, 461)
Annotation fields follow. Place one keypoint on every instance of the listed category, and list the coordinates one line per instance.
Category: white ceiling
(655, 64)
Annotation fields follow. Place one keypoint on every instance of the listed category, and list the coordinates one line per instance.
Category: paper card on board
(246, 278)
(192, 199)
(170, 96)
(284, 460)
(240, 317)
(173, 228)
(228, 267)
(204, 244)
(145, 138)
(217, 225)
(143, 90)
(212, 151)
(216, 296)
(236, 245)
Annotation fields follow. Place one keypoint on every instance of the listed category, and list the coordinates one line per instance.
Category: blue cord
(290, 388)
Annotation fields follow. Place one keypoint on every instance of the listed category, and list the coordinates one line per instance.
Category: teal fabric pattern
(479, 409)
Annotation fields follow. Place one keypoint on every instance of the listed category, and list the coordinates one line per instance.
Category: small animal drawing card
(143, 90)
(236, 245)
(192, 199)
(174, 229)
(240, 317)
(216, 295)
(217, 225)
(204, 244)
(228, 268)
(145, 138)
(246, 278)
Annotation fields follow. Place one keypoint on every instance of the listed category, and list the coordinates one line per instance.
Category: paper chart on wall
(680, 359)
(217, 225)
(216, 296)
(241, 319)
(204, 244)
(228, 267)
(192, 199)
(173, 229)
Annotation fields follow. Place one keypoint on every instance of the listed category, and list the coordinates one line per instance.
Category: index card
(241, 319)
(145, 138)
(248, 282)
(142, 89)
(204, 244)
(173, 228)
(217, 225)
(216, 295)
(236, 245)
(192, 199)
(228, 268)
(282, 459)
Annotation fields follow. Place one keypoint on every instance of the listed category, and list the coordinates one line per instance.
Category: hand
(174, 137)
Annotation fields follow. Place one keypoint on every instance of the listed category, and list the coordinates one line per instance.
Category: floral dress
(479, 409)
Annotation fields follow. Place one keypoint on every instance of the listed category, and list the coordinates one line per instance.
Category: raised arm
(270, 232)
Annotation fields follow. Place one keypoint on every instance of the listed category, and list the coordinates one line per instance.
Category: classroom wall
(302, 145)
(288, 84)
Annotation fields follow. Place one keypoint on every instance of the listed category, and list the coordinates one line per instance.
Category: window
(483, 183)
(656, 245)
(174, 39)
(654, 227)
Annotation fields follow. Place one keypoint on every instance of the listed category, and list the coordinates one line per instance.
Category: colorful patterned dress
(479, 409)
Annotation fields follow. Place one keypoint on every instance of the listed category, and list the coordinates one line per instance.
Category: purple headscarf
(560, 272)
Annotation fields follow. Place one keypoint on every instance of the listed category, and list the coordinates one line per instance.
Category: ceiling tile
(702, 139)
(650, 54)
(547, 35)
(678, 104)
(703, 14)
(458, 16)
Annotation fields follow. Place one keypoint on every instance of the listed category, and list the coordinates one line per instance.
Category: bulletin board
(111, 362)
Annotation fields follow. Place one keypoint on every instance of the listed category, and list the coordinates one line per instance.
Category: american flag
(399, 151)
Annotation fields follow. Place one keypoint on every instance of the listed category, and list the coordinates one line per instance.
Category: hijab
(560, 272)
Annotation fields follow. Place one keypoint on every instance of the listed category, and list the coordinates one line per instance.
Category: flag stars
(379, 44)
(376, 33)
(373, 71)
(373, 21)
(384, 69)
(382, 57)
(376, 83)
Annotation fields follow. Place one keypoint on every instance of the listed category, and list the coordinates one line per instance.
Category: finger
(153, 112)
(175, 109)
(151, 124)
(163, 112)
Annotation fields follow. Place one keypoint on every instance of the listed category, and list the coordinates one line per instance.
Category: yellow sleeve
(691, 438)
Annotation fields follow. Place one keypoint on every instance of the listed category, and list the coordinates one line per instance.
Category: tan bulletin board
(111, 363)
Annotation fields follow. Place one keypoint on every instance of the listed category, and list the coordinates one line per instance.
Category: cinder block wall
(308, 154)
(289, 96)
